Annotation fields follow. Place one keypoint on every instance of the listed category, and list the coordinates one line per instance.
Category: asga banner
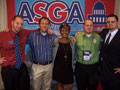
(72, 12)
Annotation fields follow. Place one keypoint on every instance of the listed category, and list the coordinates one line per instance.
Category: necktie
(17, 53)
(107, 41)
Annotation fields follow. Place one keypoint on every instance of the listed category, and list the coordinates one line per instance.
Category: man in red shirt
(13, 78)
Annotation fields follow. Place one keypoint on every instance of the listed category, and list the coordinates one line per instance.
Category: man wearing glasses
(110, 54)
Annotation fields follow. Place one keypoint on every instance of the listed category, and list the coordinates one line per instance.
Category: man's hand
(117, 70)
(5, 30)
(2, 60)
(77, 34)
(50, 31)
(74, 40)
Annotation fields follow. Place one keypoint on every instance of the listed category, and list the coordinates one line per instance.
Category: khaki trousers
(41, 76)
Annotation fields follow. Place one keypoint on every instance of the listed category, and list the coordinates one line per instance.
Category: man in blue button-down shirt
(41, 44)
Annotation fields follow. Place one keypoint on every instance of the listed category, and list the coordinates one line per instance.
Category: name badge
(10, 42)
(86, 55)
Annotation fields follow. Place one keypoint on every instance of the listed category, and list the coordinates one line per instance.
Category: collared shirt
(91, 44)
(41, 46)
(112, 35)
(7, 45)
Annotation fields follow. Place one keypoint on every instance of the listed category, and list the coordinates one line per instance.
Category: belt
(42, 63)
(12, 67)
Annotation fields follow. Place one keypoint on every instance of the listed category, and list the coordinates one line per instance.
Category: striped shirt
(41, 46)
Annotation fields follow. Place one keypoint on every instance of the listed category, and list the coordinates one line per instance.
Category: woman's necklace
(65, 47)
(65, 52)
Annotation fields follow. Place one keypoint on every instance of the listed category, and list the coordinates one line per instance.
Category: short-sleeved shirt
(91, 44)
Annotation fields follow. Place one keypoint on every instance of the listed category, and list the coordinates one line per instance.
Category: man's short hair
(16, 17)
(44, 18)
(89, 20)
(113, 15)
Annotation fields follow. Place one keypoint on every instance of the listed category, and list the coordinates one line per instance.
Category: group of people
(97, 56)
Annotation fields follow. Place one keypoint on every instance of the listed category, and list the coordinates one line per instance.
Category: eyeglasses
(110, 21)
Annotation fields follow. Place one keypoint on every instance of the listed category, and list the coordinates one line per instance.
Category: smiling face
(17, 24)
(88, 26)
(44, 24)
(112, 23)
(64, 30)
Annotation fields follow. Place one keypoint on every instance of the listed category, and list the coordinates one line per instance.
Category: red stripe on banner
(10, 11)
(89, 5)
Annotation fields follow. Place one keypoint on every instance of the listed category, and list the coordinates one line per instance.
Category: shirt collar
(38, 32)
(114, 32)
(92, 35)
(13, 34)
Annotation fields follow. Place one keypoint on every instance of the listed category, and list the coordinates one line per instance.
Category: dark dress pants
(111, 84)
(86, 78)
(15, 79)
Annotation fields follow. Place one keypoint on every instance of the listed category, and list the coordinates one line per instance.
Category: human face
(88, 27)
(44, 25)
(112, 23)
(64, 32)
(17, 24)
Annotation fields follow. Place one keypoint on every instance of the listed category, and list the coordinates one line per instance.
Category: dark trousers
(111, 84)
(15, 79)
(86, 78)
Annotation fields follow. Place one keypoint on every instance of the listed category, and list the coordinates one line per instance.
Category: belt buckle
(43, 63)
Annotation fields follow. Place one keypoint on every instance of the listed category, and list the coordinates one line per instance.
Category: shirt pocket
(9, 45)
